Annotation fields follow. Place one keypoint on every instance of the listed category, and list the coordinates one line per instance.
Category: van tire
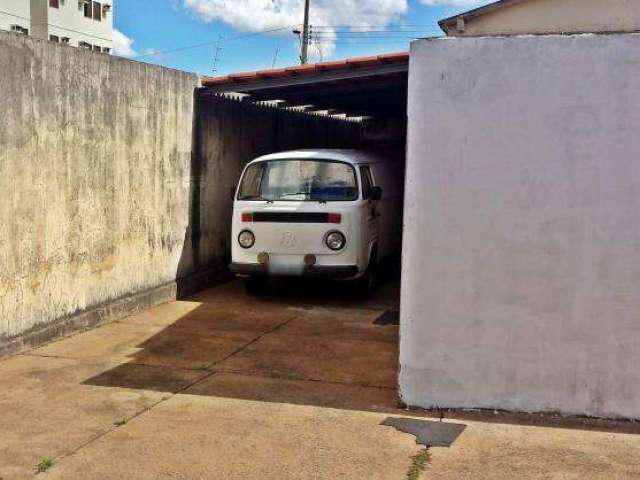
(256, 285)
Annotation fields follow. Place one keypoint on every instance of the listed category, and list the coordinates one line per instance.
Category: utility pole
(275, 58)
(304, 56)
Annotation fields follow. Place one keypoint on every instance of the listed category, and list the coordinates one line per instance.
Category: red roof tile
(309, 69)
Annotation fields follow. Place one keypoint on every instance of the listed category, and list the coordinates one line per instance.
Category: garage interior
(359, 103)
(306, 342)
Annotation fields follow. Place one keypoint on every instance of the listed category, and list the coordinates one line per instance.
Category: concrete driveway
(294, 385)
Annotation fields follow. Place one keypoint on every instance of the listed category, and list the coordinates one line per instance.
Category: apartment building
(80, 23)
(15, 16)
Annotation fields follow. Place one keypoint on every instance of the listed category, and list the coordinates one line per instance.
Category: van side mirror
(376, 193)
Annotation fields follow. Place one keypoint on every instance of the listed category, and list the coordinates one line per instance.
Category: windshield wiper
(306, 194)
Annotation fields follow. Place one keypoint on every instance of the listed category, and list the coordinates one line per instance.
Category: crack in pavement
(168, 396)
(301, 379)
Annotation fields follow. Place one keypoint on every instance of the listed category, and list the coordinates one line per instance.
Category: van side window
(367, 182)
(251, 182)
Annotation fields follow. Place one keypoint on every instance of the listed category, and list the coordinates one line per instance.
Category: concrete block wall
(521, 260)
(95, 156)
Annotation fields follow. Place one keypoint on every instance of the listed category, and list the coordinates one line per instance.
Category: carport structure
(373, 86)
(359, 102)
(354, 103)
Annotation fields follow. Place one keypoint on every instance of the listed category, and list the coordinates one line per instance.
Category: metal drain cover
(427, 433)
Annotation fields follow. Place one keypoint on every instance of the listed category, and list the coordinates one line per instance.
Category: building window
(19, 29)
(96, 48)
(54, 3)
(65, 39)
(106, 50)
(92, 9)
(54, 38)
(85, 45)
(97, 11)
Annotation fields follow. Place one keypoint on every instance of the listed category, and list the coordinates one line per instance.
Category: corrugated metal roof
(309, 69)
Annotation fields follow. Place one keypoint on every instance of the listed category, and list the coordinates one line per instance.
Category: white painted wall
(14, 12)
(521, 260)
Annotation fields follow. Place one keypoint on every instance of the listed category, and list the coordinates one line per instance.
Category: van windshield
(299, 180)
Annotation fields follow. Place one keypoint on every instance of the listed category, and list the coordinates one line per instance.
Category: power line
(372, 37)
(373, 32)
(381, 42)
(350, 32)
(384, 25)
(14, 15)
(207, 44)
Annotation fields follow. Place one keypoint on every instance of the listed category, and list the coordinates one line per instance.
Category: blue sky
(183, 34)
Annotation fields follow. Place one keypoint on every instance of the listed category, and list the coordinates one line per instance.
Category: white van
(320, 213)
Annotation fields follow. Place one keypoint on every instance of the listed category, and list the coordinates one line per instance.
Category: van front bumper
(324, 271)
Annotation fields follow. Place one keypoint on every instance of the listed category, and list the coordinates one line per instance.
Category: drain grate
(390, 317)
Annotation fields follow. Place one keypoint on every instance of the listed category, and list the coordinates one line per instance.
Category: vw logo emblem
(287, 240)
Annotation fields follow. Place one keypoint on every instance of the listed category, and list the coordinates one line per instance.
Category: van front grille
(291, 217)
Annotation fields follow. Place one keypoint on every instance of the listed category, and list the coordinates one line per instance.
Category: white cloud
(253, 15)
(456, 3)
(123, 45)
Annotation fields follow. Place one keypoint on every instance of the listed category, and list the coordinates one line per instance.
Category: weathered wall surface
(555, 16)
(95, 157)
(115, 181)
(522, 233)
(233, 133)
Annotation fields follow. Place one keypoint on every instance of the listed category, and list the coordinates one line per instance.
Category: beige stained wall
(556, 16)
(114, 183)
(39, 18)
(95, 160)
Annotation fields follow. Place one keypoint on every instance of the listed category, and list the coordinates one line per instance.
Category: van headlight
(246, 239)
(335, 240)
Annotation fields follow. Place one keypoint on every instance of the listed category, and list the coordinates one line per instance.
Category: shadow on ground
(306, 343)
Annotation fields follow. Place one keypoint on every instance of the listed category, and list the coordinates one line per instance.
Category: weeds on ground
(119, 423)
(44, 465)
(418, 464)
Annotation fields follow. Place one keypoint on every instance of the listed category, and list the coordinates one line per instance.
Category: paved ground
(291, 386)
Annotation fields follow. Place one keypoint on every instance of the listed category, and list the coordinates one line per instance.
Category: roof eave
(385, 63)
(476, 12)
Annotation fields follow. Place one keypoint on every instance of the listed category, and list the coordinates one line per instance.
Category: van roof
(344, 155)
